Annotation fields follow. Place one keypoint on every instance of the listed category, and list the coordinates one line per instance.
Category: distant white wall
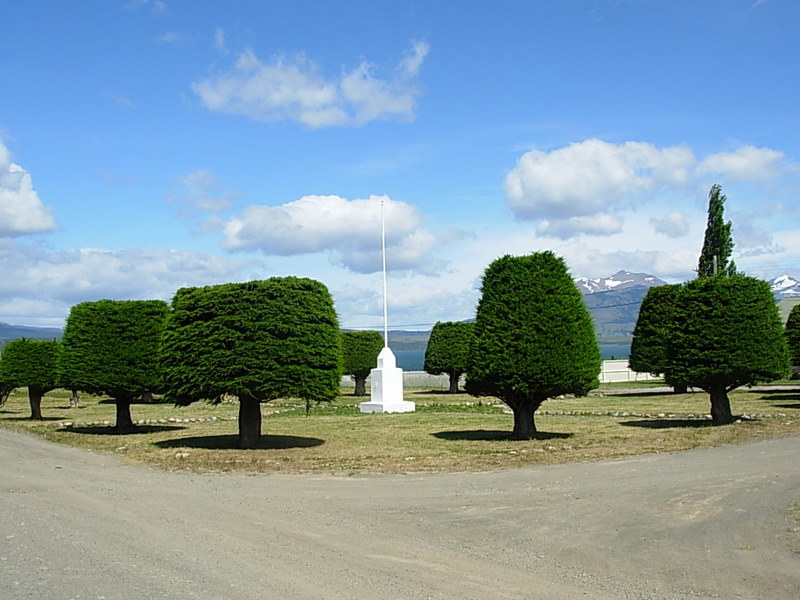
(612, 371)
(617, 370)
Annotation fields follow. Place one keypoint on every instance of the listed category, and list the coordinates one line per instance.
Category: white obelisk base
(386, 385)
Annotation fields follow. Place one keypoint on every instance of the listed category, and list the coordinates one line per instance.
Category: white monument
(386, 381)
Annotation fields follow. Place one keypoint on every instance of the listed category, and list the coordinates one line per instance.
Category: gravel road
(709, 523)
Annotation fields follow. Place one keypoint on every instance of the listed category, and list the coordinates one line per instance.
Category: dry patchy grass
(446, 433)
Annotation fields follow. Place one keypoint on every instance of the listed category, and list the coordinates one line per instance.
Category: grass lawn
(446, 433)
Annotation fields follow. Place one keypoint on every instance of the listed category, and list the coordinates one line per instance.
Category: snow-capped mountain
(618, 281)
(785, 287)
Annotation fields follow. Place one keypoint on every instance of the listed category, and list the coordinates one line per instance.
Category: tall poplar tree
(715, 257)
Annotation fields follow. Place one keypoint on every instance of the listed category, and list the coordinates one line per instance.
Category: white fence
(612, 371)
(617, 370)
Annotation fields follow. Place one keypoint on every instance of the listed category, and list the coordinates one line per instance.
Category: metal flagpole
(385, 301)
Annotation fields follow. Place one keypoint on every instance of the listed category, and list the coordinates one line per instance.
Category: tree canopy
(727, 333)
(448, 350)
(111, 347)
(32, 364)
(715, 257)
(793, 335)
(360, 351)
(534, 338)
(653, 329)
(260, 340)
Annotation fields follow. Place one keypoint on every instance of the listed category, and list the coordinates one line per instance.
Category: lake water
(413, 360)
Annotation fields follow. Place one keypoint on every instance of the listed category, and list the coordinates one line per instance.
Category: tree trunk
(680, 388)
(524, 408)
(35, 394)
(249, 422)
(361, 385)
(124, 422)
(720, 406)
(454, 377)
(74, 399)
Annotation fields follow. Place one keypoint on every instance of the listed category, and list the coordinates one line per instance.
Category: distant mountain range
(612, 301)
(782, 287)
(13, 332)
(618, 281)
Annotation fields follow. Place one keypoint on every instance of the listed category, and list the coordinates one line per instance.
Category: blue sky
(147, 145)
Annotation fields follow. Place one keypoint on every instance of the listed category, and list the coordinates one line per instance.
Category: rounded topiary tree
(32, 364)
(261, 340)
(360, 351)
(448, 350)
(534, 338)
(728, 333)
(111, 347)
(793, 335)
(653, 330)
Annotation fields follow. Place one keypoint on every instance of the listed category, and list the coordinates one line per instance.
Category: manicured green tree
(448, 350)
(32, 364)
(261, 340)
(534, 338)
(793, 335)
(653, 329)
(727, 333)
(360, 351)
(715, 257)
(111, 347)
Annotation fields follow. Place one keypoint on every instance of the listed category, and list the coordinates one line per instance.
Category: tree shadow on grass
(773, 397)
(109, 430)
(645, 393)
(668, 423)
(28, 418)
(231, 442)
(482, 435)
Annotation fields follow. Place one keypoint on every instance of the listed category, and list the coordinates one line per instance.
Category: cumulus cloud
(744, 164)
(590, 177)
(22, 212)
(293, 88)
(673, 225)
(583, 188)
(62, 279)
(348, 229)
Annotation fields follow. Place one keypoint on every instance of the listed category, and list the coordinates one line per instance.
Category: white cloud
(675, 224)
(349, 229)
(594, 225)
(171, 37)
(590, 186)
(591, 177)
(295, 89)
(120, 101)
(22, 212)
(157, 7)
(200, 191)
(58, 280)
(219, 41)
(743, 164)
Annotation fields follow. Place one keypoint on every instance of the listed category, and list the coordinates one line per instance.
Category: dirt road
(703, 524)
